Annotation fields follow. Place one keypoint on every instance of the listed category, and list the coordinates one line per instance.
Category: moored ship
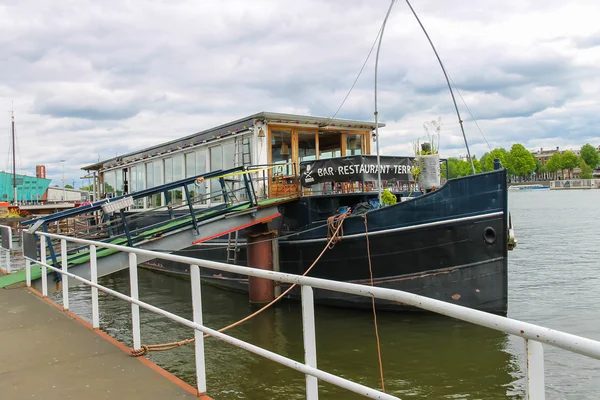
(447, 241)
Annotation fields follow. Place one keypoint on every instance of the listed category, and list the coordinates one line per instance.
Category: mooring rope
(373, 304)
(334, 235)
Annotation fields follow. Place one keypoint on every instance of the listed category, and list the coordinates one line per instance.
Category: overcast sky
(90, 79)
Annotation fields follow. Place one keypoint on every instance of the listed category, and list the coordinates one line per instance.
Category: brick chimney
(40, 171)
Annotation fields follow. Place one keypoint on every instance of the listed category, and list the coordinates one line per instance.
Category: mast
(14, 159)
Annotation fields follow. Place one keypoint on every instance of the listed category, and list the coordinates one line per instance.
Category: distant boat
(529, 187)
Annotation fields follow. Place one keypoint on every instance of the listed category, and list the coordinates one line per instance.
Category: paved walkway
(46, 354)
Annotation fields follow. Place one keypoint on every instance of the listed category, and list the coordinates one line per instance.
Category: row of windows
(171, 169)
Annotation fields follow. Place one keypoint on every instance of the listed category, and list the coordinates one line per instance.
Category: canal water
(553, 281)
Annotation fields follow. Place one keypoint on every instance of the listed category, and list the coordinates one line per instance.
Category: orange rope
(374, 311)
(334, 236)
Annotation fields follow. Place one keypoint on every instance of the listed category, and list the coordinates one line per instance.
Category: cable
(469, 111)
(374, 311)
(337, 221)
(359, 72)
(460, 121)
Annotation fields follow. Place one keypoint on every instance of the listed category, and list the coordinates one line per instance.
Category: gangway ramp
(173, 227)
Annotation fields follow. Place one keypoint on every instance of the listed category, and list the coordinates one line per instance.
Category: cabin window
(307, 146)
(199, 190)
(216, 163)
(136, 174)
(110, 182)
(330, 145)
(229, 154)
(119, 185)
(157, 180)
(281, 151)
(354, 144)
(177, 193)
(149, 175)
(190, 165)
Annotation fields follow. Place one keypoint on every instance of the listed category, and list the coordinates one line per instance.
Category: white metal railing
(533, 335)
(6, 246)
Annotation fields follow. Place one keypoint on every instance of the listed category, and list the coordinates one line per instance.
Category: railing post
(94, 278)
(535, 370)
(310, 343)
(198, 335)
(135, 309)
(65, 278)
(44, 260)
(28, 272)
(7, 257)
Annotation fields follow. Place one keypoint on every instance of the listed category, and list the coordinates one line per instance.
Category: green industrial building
(29, 188)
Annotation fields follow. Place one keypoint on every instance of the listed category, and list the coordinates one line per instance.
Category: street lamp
(62, 162)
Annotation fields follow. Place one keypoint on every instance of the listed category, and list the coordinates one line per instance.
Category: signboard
(117, 205)
(29, 245)
(355, 169)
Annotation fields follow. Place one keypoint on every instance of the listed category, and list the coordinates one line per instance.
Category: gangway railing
(533, 335)
(121, 223)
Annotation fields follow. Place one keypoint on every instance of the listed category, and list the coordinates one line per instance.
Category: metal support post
(135, 309)
(198, 335)
(168, 204)
(65, 278)
(50, 247)
(535, 370)
(310, 343)
(44, 260)
(191, 207)
(28, 272)
(126, 227)
(94, 278)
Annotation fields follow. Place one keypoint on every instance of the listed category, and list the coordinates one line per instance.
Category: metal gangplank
(189, 216)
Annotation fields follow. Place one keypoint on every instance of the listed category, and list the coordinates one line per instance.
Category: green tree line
(521, 163)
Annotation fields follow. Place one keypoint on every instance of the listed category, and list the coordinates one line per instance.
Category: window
(229, 156)
(199, 190)
(177, 174)
(330, 145)
(307, 146)
(216, 163)
(157, 180)
(190, 165)
(281, 151)
(110, 183)
(354, 145)
(119, 185)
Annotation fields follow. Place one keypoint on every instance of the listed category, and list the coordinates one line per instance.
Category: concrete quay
(46, 353)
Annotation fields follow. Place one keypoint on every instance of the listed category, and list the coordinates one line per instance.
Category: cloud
(91, 80)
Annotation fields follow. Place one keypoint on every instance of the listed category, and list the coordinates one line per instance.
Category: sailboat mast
(14, 159)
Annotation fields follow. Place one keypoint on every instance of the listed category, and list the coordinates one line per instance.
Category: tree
(520, 161)
(586, 170)
(555, 163)
(538, 166)
(476, 164)
(496, 153)
(570, 161)
(69, 187)
(483, 160)
(453, 168)
(590, 155)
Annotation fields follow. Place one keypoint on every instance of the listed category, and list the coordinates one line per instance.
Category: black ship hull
(449, 245)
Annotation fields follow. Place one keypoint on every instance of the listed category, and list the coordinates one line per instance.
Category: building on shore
(543, 155)
(37, 190)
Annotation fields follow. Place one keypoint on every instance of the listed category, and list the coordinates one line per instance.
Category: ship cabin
(276, 148)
